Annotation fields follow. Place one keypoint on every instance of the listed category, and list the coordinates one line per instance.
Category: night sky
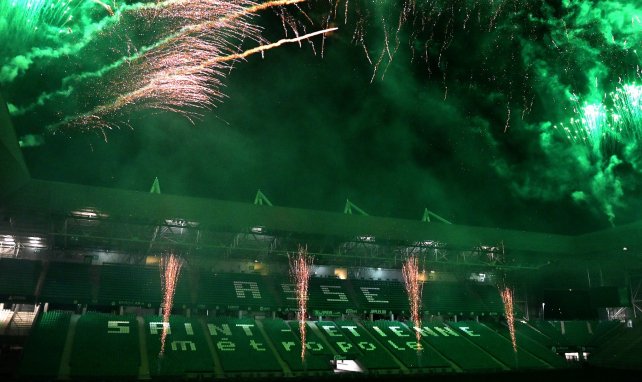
(459, 121)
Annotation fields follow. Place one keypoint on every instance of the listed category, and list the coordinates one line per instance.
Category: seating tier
(44, 348)
(105, 345)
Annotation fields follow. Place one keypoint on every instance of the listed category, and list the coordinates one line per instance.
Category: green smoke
(32, 30)
(584, 67)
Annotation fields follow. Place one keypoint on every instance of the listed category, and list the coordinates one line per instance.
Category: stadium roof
(22, 194)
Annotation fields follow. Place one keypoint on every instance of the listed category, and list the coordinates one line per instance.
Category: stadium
(315, 190)
(82, 299)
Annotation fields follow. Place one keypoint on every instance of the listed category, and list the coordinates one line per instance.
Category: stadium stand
(525, 335)
(550, 330)
(577, 333)
(67, 283)
(499, 346)
(106, 345)
(402, 343)
(371, 354)
(376, 296)
(288, 345)
(453, 346)
(623, 350)
(340, 343)
(491, 301)
(129, 285)
(449, 298)
(241, 347)
(44, 348)
(18, 279)
(329, 294)
(529, 330)
(186, 350)
(604, 330)
(235, 291)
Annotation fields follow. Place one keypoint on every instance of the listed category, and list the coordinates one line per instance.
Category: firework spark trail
(507, 299)
(184, 20)
(170, 267)
(183, 71)
(411, 21)
(106, 7)
(300, 271)
(211, 25)
(263, 48)
(175, 88)
(414, 286)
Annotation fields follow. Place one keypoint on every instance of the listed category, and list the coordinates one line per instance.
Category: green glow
(627, 110)
(29, 17)
(596, 124)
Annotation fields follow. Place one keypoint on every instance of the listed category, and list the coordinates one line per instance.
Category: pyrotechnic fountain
(170, 268)
(300, 270)
(507, 299)
(414, 288)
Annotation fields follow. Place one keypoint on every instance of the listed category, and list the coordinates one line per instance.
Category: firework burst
(183, 71)
(170, 268)
(615, 118)
(300, 271)
(414, 287)
(507, 299)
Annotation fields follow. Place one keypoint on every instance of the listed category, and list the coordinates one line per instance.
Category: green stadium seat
(326, 296)
(490, 299)
(369, 352)
(339, 342)
(449, 298)
(551, 329)
(236, 291)
(603, 330)
(577, 333)
(241, 347)
(454, 345)
(105, 345)
(186, 351)
(45, 345)
(530, 330)
(537, 349)
(18, 279)
(129, 285)
(621, 351)
(381, 297)
(288, 344)
(402, 343)
(499, 346)
(67, 283)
